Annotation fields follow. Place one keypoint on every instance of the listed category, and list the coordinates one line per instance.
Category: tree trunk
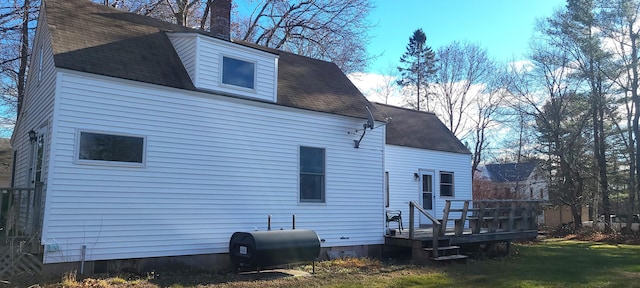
(24, 55)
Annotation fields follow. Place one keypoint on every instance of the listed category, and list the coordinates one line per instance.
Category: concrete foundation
(218, 263)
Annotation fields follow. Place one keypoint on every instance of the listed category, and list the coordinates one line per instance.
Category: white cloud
(377, 87)
(521, 66)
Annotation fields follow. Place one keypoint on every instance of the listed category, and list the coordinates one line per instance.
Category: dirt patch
(591, 234)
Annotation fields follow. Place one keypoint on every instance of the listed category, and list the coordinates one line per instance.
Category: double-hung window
(110, 149)
(446, 184)
(312, 174)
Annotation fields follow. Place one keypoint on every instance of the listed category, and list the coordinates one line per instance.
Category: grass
(551, 263)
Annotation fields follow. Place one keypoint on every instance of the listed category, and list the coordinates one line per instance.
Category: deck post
(445, 218)
(435, 240)
(476, 229)
(512, 216)
(411, 220)
(526, 215)
(496, 218)
(459, 227)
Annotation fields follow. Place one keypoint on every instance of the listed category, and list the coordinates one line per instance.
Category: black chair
(395, 216)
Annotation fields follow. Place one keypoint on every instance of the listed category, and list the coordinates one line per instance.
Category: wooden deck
(485, 221)
(467, 237)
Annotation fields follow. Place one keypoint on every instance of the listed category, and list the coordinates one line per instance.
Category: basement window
(102, 148)
(238, 72)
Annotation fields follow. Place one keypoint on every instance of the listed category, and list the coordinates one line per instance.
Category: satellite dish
(370, 122)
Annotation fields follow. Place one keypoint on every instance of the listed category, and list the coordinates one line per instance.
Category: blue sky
(503, 27)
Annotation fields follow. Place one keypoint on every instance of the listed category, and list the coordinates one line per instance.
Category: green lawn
(555, 264)
(552, 263)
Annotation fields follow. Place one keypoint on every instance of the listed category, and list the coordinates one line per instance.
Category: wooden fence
(20, 229)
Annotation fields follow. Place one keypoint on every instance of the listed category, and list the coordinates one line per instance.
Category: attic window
(238, 72)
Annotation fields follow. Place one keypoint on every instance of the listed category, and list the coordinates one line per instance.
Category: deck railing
(491, 215)
(436, 225)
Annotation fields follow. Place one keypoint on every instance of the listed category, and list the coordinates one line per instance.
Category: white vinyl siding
(214, 165)
(202, 57)
(185, 45)
(402, 162)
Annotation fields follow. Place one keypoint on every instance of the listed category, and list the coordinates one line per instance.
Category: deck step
(450, 257)
(442, 248)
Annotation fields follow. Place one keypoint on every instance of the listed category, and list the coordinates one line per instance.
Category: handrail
(417, 206)
(436, 225)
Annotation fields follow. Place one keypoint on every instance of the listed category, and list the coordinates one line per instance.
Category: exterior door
(427, 197)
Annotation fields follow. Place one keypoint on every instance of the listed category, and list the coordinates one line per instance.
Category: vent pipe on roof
(220, 24)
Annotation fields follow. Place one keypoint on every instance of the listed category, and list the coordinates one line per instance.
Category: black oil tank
(273, 248)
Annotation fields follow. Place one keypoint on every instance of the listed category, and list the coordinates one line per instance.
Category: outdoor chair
(395, 216)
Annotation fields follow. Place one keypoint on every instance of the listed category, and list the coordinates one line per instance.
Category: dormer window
(238, 72)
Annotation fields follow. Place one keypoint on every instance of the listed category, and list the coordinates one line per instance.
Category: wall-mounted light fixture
(32, 135)
(416, 177)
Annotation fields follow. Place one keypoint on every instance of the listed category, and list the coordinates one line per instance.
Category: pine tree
(418, 65)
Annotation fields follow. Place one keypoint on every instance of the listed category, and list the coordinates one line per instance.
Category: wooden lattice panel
(15, 261)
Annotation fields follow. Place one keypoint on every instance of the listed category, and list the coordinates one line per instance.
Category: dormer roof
(99, 39)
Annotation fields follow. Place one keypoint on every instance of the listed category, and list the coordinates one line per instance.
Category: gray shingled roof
(419, 129)
(510, 172)
(98, 39)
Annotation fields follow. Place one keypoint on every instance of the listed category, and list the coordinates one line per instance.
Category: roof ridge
(404, 108)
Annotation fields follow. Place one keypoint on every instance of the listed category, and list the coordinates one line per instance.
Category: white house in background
(155, 140)
(424, 162)
(525, 181)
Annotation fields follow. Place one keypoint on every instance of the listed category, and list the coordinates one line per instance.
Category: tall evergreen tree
(417, 65)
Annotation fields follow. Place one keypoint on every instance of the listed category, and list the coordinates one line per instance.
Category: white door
(427, 197)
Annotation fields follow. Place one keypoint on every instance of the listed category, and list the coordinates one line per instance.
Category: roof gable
(419, 129)
(99, 39)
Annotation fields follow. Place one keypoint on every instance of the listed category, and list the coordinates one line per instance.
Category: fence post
(37, 199)
(411, 220)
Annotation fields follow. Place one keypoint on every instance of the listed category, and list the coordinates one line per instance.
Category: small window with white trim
(103, 148)
(446, 184)
(238, 72)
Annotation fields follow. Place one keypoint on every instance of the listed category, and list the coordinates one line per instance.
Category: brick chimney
(221, 18)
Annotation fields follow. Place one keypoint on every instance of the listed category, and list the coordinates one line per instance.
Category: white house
(525, 181)
(424, 162)
(155, 140)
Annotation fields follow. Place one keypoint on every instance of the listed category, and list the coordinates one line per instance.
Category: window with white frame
(238, 72)
(40, 64)
(97, 147)
(312, 174)
(446, 184)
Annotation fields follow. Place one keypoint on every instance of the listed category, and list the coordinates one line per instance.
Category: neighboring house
(520, 181)
(155, 140)
(424, 162)
(524, 181)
